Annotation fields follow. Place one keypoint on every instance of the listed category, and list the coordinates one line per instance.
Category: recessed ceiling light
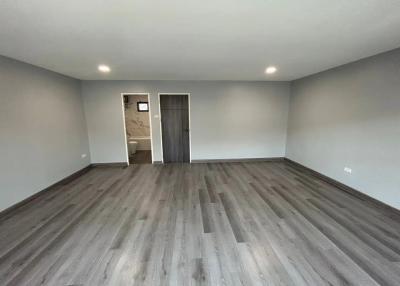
(270, 70)
(104, 68)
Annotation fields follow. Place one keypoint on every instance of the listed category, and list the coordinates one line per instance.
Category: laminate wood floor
(264, 223)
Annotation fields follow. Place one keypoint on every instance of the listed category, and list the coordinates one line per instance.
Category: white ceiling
(196, 39)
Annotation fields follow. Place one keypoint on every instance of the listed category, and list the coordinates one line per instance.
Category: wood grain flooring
(261, 223)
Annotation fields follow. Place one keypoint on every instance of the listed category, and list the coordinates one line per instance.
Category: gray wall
(350, 116)
(42, 130)
(228, 119)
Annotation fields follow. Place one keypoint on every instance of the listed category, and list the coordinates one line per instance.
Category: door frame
(190, 126)
(151, 130)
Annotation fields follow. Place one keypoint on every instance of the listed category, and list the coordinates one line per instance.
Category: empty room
(208, 142)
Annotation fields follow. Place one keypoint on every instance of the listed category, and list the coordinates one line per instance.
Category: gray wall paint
(228, 119)
(350, 116)
(42, 128)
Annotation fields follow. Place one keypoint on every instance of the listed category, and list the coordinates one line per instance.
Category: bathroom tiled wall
(137, 123)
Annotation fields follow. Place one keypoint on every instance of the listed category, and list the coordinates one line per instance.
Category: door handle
(186, 129)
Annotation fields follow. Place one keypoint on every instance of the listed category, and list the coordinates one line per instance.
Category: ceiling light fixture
(270, 70)
(104, 68)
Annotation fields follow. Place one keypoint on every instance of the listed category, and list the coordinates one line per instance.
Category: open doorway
(138, 127)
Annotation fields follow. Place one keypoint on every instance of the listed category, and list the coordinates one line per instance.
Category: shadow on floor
(140, 157)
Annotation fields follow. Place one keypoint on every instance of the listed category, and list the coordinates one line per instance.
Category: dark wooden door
(175, 127)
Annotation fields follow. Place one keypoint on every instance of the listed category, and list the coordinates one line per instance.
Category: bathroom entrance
(138, 127)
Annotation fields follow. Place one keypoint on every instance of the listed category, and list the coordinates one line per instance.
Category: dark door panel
(175, 127)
